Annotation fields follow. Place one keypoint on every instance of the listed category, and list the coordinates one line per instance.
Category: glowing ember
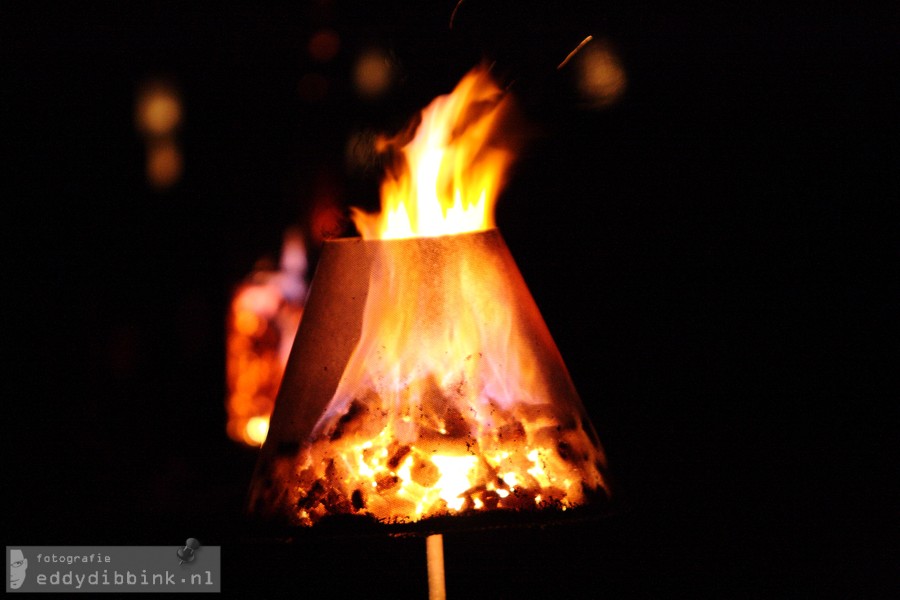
(265, 313)
(454, 397)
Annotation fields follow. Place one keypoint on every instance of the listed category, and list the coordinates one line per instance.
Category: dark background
(711, 254)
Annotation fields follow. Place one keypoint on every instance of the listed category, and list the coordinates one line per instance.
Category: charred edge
(361, 524)
(357, 522)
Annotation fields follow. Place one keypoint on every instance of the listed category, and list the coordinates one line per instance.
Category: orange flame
(455, 398)
(264, 317)
(450, 172)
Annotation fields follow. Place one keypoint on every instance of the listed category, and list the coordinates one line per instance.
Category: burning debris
(526, 462)
(423, 381)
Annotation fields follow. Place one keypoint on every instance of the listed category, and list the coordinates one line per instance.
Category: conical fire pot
(423, 382)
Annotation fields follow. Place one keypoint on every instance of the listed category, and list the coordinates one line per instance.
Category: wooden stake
(434, 550)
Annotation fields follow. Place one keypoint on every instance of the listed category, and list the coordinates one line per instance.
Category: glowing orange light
(265, 313)
(454, 398)
(158, 110)
(372, 73)
(602, 77)
(164, 163)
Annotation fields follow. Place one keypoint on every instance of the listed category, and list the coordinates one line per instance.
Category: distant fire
(265, 313)
(455, 398)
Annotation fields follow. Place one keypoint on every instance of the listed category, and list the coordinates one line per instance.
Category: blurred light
(164, 163)
(158, 113)
(372, 73)
(601, 76)
(158, 109)
(324, 45)
(256, 430)
(313, 87)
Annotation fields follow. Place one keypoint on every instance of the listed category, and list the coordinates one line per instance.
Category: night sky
(711, 253)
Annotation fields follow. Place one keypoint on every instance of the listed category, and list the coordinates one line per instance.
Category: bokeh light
(372, 73)
(164, 163)
(601, 76)
(324, 45)
(158, 110)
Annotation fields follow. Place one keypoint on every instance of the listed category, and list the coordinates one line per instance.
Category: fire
(455, 398)
(451, 171)
(264, 317)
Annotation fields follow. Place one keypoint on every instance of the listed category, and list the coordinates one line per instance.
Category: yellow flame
(450, 173)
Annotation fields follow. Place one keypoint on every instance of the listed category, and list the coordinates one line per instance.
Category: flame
(450, 173)
(265, 314)
(445, 405)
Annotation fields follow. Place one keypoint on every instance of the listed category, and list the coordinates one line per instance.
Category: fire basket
(423, 387)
